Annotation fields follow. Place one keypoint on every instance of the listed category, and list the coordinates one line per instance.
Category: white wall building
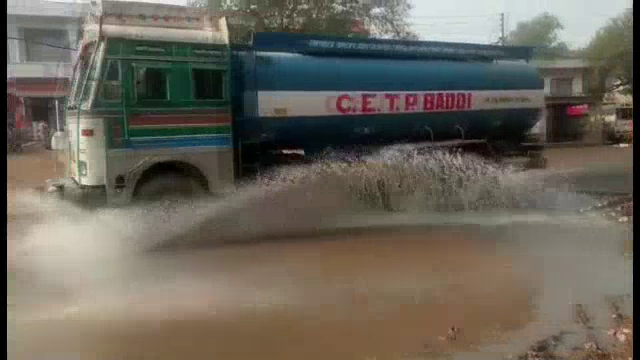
(40, 34)
(566, 88)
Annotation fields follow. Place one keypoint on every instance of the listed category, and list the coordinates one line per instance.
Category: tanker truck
(161, 102)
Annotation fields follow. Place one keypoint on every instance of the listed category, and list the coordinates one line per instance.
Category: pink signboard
(578, 110)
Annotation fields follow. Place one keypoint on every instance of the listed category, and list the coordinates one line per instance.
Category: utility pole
(502, 38)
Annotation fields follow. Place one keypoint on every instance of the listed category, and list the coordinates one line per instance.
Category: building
(40, 37)
(568, 104)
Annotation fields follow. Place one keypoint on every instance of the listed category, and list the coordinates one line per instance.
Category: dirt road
(570, 158)
(354, 295)
(315, 300)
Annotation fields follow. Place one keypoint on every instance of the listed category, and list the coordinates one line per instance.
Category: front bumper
(69, 190)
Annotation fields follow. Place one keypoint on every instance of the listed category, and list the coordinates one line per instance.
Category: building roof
(58, 8)
(561, 64)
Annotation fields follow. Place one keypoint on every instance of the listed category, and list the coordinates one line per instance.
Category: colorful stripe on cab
(175, 142)
(182, 120)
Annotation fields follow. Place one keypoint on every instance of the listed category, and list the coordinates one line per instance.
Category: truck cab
(150, 99)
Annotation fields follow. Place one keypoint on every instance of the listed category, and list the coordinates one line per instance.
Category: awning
(38, 87)
(568, 100)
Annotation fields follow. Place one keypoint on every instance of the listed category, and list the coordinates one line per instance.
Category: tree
(611, 52)
(541, 31)
(327, 17)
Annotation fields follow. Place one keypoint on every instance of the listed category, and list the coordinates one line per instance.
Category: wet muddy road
(386, 291)
(347, 296)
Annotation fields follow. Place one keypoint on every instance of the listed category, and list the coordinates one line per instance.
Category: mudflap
(68, 190)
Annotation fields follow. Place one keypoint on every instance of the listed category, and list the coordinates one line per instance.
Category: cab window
(208, 84)
(152, 83)
(111, 83)
(90, 85)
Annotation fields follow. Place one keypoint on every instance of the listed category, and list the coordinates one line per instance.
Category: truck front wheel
(170, 186)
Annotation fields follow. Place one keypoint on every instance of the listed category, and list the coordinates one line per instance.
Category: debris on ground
(544, 349)
(591, 349)
(452, 334)
(615, 208)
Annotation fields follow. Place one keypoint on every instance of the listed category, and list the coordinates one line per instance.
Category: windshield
(80, 69)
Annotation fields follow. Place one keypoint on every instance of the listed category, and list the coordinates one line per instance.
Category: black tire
(169, 187)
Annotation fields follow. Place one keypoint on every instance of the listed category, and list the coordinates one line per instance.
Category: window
(110, 89)
(151, 83)
(208, 84)
(561, 87)
(37, 52)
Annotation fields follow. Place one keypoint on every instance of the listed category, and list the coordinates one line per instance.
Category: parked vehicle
(161, 102)
(619, 122)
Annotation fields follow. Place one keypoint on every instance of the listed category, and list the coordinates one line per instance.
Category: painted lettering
(341, 106)
(429, 102)
(366, 103)
(410, 102)
(450, 101)
(439, 101)
(393, 102)
(372, 102)
(461, 101)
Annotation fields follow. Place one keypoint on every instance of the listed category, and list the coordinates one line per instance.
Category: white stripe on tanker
(334, 103)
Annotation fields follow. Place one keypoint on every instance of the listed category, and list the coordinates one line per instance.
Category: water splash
(294, 199)
(404, 179)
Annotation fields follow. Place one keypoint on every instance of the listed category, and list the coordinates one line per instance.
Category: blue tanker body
(293, 99)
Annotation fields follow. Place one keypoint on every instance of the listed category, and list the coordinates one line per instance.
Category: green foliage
(541, 31)
(611, 51)
(327, 17)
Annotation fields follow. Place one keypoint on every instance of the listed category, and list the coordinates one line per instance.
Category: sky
(478, 21)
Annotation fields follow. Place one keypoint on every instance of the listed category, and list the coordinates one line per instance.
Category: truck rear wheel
(169, 187)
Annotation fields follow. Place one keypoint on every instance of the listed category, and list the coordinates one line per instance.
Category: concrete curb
(575, 144)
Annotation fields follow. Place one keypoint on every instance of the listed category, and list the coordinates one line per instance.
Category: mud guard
(67, 189)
